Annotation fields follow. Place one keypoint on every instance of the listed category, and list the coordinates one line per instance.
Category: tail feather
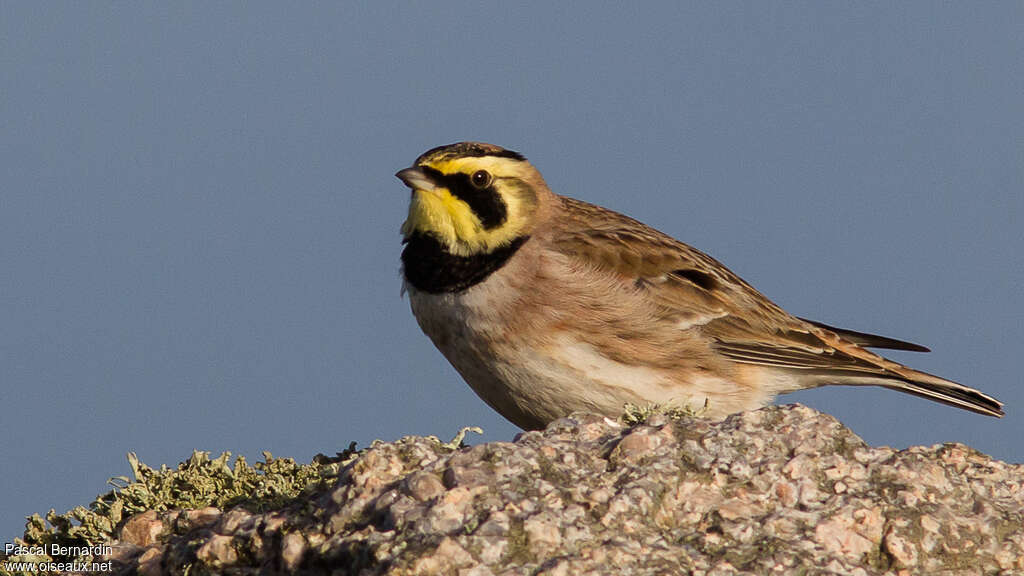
(909, 381)
(967, 399)
(878, 371)
(948, 392)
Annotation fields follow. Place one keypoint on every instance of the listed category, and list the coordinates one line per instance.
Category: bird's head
(472, 197)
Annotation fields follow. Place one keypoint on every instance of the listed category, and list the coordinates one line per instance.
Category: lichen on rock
(784, 489)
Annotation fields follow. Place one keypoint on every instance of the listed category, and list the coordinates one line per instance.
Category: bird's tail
(946, 391)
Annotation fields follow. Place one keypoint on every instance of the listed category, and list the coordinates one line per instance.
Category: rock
(783, 489)
(149, 562)
(142, 529)
(217, 552)
(292, 548)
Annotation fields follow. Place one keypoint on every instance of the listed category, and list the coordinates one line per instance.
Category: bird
(547, 305)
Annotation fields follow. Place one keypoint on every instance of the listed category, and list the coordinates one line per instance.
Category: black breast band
(429, 267)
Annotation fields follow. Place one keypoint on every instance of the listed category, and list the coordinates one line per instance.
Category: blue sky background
(199, 223)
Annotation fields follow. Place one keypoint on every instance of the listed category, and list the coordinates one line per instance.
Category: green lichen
(198, 482)
(746, 557)
(458, 441)
(553, 474)
(518, 551)
(633, 414)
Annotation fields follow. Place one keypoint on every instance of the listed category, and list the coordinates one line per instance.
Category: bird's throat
(429, 266)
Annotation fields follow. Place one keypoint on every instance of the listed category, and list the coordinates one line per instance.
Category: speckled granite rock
(782, 490)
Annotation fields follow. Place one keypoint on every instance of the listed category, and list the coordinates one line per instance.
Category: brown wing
(742, 321)
(742, 324)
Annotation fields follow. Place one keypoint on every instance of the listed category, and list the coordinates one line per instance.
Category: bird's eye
(481, 178)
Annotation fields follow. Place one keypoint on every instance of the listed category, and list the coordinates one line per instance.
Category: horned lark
(547, 305)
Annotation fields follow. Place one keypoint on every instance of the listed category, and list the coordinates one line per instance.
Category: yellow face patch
(444, 216)
(450, 219)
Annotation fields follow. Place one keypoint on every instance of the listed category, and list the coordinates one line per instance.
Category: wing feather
(870, 340)
(737, 321)
(741, 323)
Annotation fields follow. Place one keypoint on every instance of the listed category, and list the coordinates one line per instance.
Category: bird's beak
(416, 179)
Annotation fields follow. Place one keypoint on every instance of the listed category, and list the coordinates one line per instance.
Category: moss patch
(198, 482)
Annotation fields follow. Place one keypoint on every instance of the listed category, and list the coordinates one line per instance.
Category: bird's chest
(508, 351)
(472, 328)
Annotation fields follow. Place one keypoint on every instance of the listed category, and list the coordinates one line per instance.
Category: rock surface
(781, 490)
